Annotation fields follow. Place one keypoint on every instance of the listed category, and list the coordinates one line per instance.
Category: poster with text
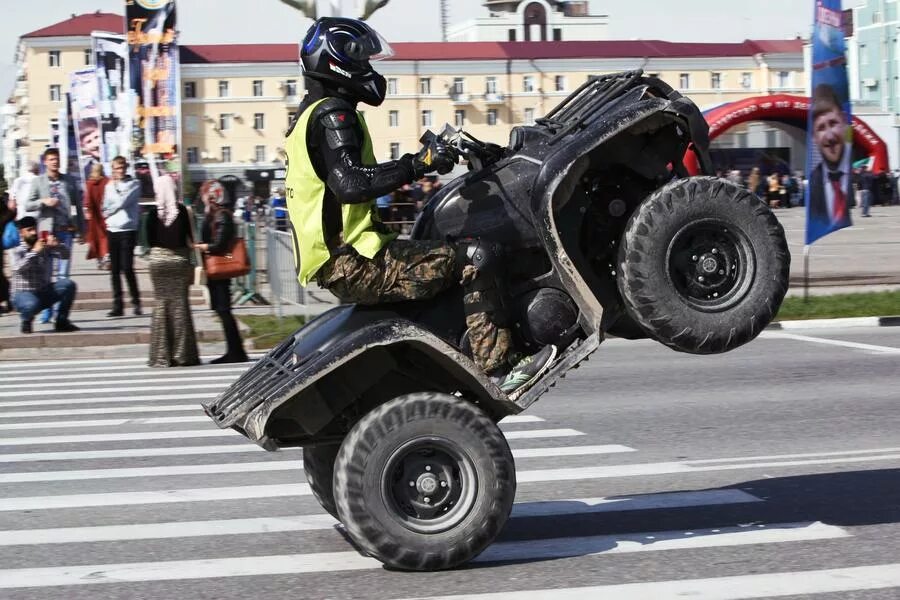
(86, 120)
(111, 63)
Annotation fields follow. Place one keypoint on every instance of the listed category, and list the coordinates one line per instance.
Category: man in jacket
(333, 181)
(121, 209)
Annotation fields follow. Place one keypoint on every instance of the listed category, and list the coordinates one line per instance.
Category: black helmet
(341, 51)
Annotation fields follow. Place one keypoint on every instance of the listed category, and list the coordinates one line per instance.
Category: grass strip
(870, 304)
(267, 331)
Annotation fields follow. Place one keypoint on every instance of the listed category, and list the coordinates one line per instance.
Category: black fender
(318, 382)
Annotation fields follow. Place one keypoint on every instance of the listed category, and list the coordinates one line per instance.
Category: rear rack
(594, 95)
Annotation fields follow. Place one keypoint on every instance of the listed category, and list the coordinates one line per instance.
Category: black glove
(435, 156)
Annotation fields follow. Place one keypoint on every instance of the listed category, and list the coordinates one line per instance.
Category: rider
(333, 180)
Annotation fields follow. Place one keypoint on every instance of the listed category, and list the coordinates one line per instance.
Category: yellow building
(237, 100)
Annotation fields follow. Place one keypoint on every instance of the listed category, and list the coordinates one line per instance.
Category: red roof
(80, 25)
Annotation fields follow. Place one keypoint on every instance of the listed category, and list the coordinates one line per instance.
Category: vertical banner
(68, 146)
(829, 193)
(153, 68)
(86, 121)
(111, 61)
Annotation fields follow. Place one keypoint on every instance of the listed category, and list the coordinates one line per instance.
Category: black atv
(604, 232)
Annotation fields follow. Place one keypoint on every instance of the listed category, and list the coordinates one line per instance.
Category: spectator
(754, 182)
(121, 209)
(867, 188)
(278, 204)
(775, 194)
(21, 190)
(218, 234)
(95, 234)
(32, 287)
(384, 207)
(173, 341)
(7, 214)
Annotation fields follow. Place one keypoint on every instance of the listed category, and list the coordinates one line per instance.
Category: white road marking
(78, 385)
(832, 323)
(188, 529)
(112, 390)
(351, 561)
(104, 362)
(841, 343)
(541, 433)
(521, 419)
(75, 424)
(741, 587)
(41, 376)
(104, 400)
(106, 410)
(166, 471)
(249, 447)
(113, 369)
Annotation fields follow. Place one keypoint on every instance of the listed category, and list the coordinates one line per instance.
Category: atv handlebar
(478, 153)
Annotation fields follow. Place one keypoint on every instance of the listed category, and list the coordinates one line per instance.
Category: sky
(270, 21)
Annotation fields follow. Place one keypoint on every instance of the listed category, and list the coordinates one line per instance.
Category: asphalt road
(772, 471)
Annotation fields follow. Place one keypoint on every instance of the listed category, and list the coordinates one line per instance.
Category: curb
(827, 323)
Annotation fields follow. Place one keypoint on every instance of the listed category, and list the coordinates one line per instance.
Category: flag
(830, 137)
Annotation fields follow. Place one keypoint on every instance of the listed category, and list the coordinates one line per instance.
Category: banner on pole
(153, 65)
(830, 138)
(86, 121)
(111, 62)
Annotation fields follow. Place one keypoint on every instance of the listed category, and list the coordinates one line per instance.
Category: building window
(88, 57)
(492, 116)
(425, 86)
(193, 156)
(459, 86)
(224, 122)
(257, 88)
(226, 154)
(528, 83)
(394, 118)
(395, 150)
(259, 154)
(426, 118)
(490, 86)
(55, 93)
(191, 124)
(716, 81)
(557, 35)
(392, 86)
(746, 80)
(529, 116)
(259, 121)
(459, 117)
(684, 81)
(512, 35)
(54, 58)
(560, 83)
(784, 79)
(863, 55)
(290, 87)
(190, 89)
(223, 89)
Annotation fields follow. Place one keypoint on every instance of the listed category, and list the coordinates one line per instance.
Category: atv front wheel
(424, 482)
(318, 463)
(704, 265)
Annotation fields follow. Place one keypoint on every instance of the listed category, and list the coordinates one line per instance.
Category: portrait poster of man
(153, 70)
(86, 120)
(830, 148)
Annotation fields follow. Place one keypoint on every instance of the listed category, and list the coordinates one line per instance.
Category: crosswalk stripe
(8, 366)
(189, 529)
(106, 410)
(105, 400)
(350, 561)
(740, 587)
(168, 435)
(48, 388)
(246, 447)
(113, 390)
(103, 423)
(118, 368)
(41, 377)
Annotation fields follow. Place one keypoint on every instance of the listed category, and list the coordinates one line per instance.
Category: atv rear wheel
(424, 482)
(704, 265)
(318, 463)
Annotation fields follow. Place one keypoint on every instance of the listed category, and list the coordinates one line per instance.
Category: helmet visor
(370, 47)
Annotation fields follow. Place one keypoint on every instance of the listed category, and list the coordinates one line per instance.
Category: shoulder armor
(335, 113)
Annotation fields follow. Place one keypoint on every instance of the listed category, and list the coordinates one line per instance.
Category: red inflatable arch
(783, 108)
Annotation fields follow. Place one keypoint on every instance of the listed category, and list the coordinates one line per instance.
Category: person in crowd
(754, 181)
(121, 210)
(32, 286)
(278, 205)
(867, 184)
(21, 190)
(775, 192)
(52, 197)
(218, 233)
(333, 180)
(7, 215)
(95, 232)
(829, 182)
(173, 340)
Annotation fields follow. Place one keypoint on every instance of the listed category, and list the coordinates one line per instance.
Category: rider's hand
(435, 156)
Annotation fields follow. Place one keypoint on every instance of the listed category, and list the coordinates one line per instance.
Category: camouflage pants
(416, 270)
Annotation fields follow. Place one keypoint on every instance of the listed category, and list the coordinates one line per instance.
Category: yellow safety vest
(305, 200)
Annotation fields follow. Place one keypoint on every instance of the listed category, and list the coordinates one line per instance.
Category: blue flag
(830, 140)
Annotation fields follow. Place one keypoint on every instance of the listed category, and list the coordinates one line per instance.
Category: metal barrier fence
(282, 274)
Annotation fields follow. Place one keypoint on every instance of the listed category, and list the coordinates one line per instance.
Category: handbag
(11, 237)
(234, 263)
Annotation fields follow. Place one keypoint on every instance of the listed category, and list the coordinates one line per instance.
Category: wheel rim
(711, 265)
(429, 484)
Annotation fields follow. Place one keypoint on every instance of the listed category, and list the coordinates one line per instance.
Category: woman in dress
(218, 233)
(98, 243)
(173, 341)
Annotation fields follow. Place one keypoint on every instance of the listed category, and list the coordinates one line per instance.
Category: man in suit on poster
(829, 193)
